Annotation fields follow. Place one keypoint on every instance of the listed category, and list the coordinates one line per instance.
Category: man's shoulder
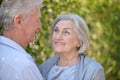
(18, 65)
(14, 59)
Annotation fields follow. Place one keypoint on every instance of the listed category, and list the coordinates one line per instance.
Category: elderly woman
(70, 39)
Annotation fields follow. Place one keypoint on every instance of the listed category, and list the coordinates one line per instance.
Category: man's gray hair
(80, 27)
(10, 8)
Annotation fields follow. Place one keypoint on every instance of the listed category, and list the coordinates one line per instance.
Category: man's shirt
(16, 63)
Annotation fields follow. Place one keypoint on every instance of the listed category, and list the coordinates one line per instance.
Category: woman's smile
(59, 43)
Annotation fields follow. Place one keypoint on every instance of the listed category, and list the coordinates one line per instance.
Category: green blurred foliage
(103, 19)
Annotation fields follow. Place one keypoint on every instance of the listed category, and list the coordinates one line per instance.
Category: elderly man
(19, 20)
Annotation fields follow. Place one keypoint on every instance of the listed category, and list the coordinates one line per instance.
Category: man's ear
(17, 21)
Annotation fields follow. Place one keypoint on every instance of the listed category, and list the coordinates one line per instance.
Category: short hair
(10, 8)
(81, 28)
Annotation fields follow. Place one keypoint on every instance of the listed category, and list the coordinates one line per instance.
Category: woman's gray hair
(80, 27)
(10, 8)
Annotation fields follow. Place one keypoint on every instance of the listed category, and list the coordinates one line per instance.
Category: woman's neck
(68, 60)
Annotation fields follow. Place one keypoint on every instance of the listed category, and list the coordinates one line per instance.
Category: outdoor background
(103, 19)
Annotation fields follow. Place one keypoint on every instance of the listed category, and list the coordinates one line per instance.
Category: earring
(78, 45)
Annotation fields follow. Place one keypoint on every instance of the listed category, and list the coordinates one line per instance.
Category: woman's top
(85, 69)
(61, 73)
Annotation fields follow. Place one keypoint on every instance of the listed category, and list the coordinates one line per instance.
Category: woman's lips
(59, 43)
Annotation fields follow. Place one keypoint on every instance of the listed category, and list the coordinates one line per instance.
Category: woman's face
(64, 37)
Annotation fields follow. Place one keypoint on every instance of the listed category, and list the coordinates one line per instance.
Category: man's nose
(39, 25)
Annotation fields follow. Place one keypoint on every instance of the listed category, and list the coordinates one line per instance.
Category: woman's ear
(79, 44)
(17, 21)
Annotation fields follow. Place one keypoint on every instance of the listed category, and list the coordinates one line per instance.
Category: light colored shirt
(61, 73)
(16, 63)
(86, 69)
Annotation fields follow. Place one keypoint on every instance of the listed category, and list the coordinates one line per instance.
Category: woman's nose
(59, 36)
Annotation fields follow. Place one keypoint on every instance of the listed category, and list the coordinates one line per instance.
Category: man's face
(31, 25)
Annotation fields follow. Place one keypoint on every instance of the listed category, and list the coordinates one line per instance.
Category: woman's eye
(67, 33)
(55, 30)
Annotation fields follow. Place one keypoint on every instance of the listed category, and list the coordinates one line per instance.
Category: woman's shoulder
(46, 65)
(88, 67)
(89, 62)
(49, 62)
